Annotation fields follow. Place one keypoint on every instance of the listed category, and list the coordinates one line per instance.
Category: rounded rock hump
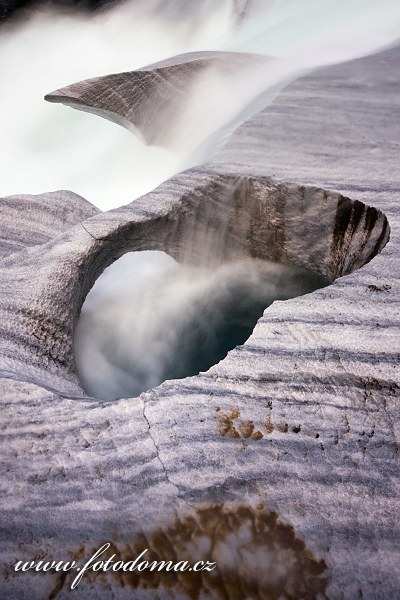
(29, 220)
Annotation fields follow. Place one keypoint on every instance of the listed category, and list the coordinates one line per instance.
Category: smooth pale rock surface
(281, 462)
(28, 220)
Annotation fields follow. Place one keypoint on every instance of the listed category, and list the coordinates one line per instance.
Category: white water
(45, 147)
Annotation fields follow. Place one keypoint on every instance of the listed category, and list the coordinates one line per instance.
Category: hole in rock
(149, 318)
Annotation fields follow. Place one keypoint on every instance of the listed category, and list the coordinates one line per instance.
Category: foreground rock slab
(281, 462)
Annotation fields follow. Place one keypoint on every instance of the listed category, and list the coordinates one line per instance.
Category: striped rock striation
(160, 102)
(28, 220)
(281, 462)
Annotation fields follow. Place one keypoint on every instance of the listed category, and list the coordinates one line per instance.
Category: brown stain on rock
(269, 426)
(225, 424)
(256, 557)
(246, 428)
(243, 429)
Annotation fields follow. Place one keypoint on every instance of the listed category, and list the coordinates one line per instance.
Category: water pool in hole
(149, 319)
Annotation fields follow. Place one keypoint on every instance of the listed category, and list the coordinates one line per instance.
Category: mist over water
(45, 147)
(149, 319)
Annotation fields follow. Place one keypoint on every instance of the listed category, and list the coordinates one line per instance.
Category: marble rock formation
(151, 101)
(280, 463)
(33, 220)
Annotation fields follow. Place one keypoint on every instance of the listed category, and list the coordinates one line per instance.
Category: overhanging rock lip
(179, 59)
(160, 82)
(58, 97)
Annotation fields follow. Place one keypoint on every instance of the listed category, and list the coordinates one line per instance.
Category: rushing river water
(45, 147)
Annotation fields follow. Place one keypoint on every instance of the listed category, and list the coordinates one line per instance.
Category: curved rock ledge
(150, 101)
(289, 446)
